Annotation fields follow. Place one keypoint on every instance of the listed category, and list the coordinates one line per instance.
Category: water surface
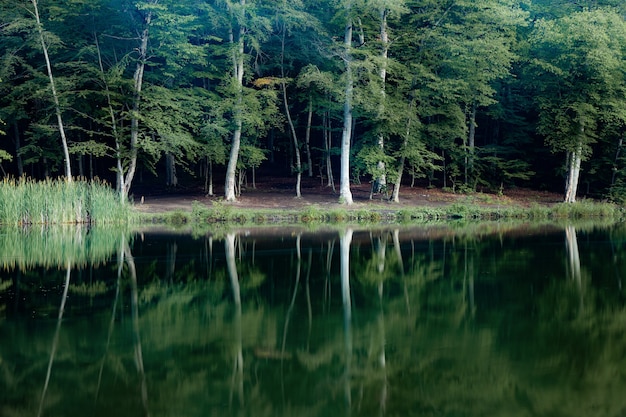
(497, 320)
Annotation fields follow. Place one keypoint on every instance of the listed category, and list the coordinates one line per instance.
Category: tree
(383, 9)
(580, 75)
(345, 195)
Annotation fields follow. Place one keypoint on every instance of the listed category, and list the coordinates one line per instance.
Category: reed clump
(55, 201)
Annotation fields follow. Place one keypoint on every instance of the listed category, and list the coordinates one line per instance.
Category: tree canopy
(466, 95)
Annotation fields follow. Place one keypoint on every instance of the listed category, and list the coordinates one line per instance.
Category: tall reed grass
(25, 202)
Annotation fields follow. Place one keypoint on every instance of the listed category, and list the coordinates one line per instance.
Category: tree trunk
(171, 178)
(292, 128)
(381, 181)
(396, 187)
(238, 68)
(55, 96)
(574, 160)
(127, 178)
(471, 138)
(328, 144)
(208, 177)
(345, 195)
(307, 138)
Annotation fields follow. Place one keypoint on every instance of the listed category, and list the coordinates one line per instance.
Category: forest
(464, 95)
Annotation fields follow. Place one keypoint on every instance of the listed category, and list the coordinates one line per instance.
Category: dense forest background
(460, 94)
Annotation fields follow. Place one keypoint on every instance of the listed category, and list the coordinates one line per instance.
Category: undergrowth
(219, 214)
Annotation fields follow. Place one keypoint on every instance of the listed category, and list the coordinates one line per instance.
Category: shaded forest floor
(279, 193)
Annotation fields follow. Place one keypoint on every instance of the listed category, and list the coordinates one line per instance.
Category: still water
(494, 320)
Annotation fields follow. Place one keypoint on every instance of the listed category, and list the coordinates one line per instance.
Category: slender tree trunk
(396, 187)
(328, 144)
(208, 177)
(126, 179)
(238, 69)
(345, 195)
(55, 96)
(292, 128)
(381, 181)
(307, 138)
(469, 155)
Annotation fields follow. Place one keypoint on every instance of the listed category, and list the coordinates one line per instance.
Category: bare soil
(279, 193)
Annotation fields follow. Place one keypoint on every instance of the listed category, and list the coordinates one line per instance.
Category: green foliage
(539, 75)
(579, 70)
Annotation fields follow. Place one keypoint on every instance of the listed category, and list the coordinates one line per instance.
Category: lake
(446, 320)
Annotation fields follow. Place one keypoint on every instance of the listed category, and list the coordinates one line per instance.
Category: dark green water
(498, 321)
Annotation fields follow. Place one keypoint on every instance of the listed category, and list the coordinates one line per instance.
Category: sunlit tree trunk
(345, 195)
(574, 159)
(238, 70)
(55, 96)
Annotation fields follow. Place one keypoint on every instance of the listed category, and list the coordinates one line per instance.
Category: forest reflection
(499, 320)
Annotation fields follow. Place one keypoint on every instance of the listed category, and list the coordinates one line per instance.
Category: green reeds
(26, 202)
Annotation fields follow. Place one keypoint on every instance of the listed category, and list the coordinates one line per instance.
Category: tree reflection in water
(430, 322)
